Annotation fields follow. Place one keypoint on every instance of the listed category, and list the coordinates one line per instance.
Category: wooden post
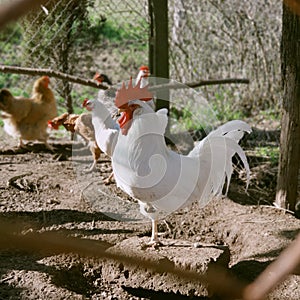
(289, 163)
(159, 46)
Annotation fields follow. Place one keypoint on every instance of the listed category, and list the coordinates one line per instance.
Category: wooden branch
(13, 10)
(91, 83)
(177, 85)
(219, 81)
(294, 5)
(51, 73)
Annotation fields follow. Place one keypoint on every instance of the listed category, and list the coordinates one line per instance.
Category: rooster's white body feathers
(106, 128)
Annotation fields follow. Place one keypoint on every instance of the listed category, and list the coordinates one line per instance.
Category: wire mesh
(77, 37)
(214, 39)
(234, 39)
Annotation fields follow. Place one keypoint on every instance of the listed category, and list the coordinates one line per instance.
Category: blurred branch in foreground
(51, 243)
(287, 263)
(218, 279)
(13, 10)
(294, 5)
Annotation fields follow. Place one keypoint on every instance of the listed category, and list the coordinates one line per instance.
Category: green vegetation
(185, 120)
(10, 40)
(51, 41)
(224, 107)
(66, 40)
(268, 152)
(271, 114)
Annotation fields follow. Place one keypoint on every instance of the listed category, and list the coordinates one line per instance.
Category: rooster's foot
(109, 179)
(92, 168)
(49, 147)
(152, 244)
(21, 145)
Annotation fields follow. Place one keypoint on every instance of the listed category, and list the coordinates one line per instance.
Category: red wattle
(125, 120)
(52, 126)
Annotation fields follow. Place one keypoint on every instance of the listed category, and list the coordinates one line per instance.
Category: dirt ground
(51, 192)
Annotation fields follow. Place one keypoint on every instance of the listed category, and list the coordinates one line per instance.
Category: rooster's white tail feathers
(230, 128)
(215, 153)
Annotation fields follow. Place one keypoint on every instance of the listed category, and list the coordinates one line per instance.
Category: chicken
(143, 78)
(67, 120)
(26, 118)
(100, 77)
(107, 96)
(161, 180)
(82, 125)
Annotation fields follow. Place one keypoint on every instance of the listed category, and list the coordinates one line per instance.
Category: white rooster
(143, 80)
(146, 169)
(142, 76)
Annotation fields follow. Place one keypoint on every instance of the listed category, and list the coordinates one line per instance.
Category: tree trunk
(289, 163)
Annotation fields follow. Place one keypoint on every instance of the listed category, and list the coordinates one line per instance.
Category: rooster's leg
(154, 236)
(21, 144)
(49, 147)
(109, 179)
(93, 167)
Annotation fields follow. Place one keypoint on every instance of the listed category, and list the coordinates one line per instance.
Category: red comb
(96, 76)
(143, 68)
(52, 125)
(124, 95)
(84, 102)
(46, 81)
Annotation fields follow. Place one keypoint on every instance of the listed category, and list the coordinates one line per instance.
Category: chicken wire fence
(80, 38)
(214, 39)
(211, 39)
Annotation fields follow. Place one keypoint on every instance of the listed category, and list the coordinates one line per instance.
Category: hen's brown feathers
(27, 118)
(81, 124)
(84, 126)
(16, 108)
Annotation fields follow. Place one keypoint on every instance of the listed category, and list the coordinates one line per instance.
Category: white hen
(106, 96)
(146, 169)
